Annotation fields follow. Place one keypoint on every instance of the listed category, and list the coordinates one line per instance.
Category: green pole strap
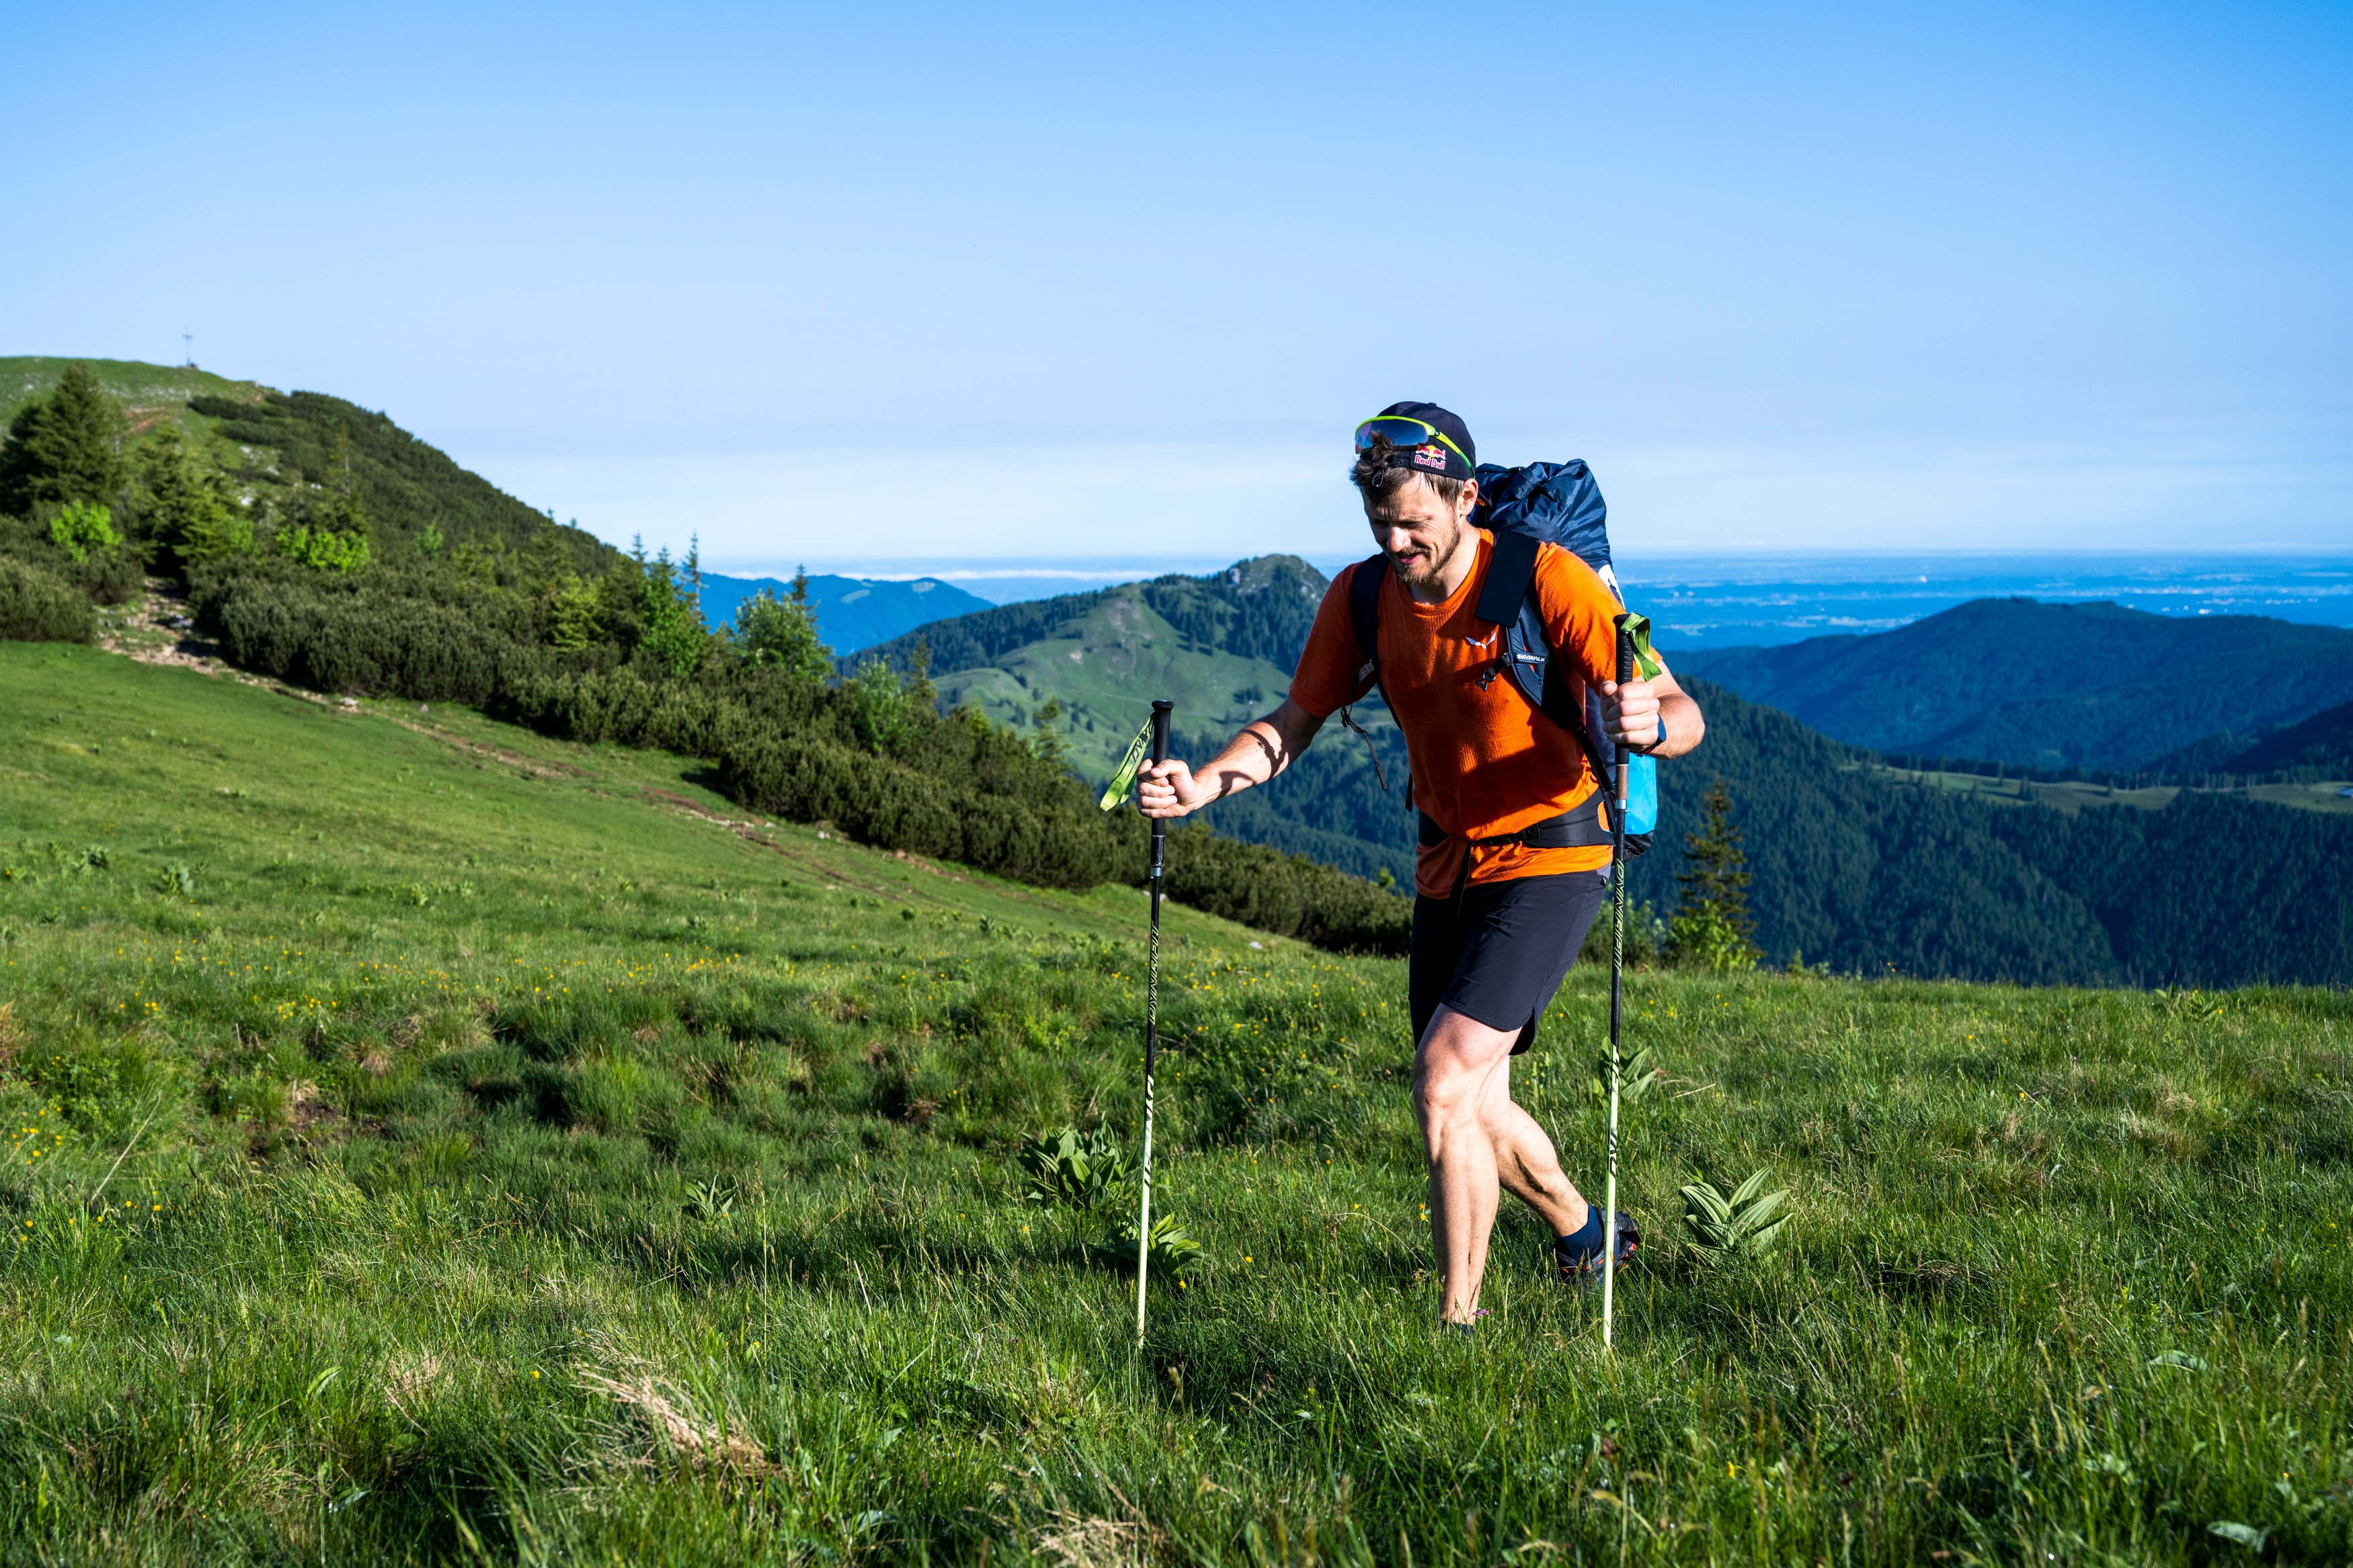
(1124, 781)
(1637, 632)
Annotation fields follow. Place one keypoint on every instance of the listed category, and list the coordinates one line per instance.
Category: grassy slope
(521, 1167)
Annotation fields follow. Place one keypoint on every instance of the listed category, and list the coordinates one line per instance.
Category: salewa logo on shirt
(1483, 644)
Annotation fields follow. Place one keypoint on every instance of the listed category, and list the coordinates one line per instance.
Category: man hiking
(1514, 855)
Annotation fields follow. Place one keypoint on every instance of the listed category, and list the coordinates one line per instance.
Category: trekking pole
(1617, 988)
(1161, 708)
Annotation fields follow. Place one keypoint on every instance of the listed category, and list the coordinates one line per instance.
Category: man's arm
(1262, 749)
(1643, 711)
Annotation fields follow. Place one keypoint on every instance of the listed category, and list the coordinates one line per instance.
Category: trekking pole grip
(1161, 707)
(1625, 675)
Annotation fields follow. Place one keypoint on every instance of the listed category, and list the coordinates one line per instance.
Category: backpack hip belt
(1582, 827)
(1585, 825)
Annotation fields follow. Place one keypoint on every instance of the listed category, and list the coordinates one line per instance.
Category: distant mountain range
(852, 612)
(2050, 686)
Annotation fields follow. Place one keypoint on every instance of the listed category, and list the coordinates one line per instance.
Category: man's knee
(1445, 1091)
(1451, 1071)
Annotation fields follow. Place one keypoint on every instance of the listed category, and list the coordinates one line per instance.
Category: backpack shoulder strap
(1536, 667)
(1511, 573)
(1364, 618)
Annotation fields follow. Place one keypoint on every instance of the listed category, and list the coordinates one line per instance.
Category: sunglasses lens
(1400, 432)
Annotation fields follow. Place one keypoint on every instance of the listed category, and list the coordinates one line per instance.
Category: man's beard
(1427, 572)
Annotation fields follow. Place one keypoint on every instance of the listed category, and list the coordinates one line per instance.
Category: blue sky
(906, 287)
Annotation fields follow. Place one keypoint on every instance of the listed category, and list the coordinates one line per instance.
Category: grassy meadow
(432, 1142)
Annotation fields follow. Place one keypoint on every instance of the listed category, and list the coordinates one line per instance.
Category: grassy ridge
(502, 1159)
(149, 393)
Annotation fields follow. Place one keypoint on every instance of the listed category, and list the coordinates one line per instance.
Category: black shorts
(1499, 953)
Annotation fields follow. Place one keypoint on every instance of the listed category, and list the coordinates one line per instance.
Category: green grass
(500, 1158)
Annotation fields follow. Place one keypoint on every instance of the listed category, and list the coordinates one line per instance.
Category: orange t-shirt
(1485, 761)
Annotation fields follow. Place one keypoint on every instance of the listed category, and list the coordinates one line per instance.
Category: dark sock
(1583, 1243)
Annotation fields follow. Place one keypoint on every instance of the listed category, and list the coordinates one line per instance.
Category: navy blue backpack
(1556, 503)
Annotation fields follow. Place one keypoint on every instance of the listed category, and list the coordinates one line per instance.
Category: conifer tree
(339, 510)
(1711, 927)
(65, 447)
(185, 502)
(781, 634)
(1047, 740)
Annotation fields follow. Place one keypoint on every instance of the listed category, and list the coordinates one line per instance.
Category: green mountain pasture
(1220, 646)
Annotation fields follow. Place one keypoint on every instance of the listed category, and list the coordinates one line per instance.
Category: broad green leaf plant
(1737, 1226)
(1073, 1170)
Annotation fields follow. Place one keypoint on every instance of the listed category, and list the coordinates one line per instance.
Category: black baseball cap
(1424, 437)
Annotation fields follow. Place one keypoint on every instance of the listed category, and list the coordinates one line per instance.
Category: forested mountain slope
(2046, 686)
(1870, 874)
(2324, 742)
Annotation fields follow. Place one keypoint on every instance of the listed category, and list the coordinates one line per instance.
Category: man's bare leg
(1525, 1162)
(1476, 1141)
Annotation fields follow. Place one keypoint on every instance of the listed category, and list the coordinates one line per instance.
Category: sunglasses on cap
(1400, 431)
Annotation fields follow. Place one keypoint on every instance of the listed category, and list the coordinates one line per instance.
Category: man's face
(1419, 532)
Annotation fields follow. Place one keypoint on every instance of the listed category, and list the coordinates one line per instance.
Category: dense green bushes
(106, 574)
(1042, 835)
(1287, 894)
(357, 643)
(37, 608)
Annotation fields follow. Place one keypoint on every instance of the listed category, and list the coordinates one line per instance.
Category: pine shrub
(37, 608)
